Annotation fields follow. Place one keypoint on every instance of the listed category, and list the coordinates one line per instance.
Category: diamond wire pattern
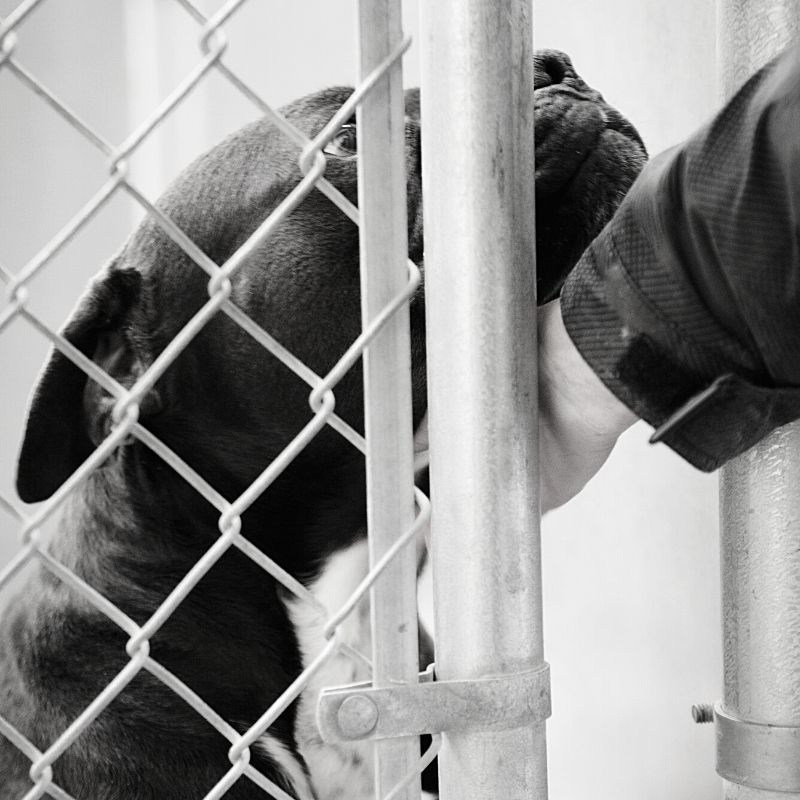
(213, 45)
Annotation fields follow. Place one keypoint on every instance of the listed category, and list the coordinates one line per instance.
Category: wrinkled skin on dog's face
(301, 285)
(587, 156)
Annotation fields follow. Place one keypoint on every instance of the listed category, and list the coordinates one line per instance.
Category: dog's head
(226, 404)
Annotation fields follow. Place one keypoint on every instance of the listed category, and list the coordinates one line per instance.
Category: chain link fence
(507, 760)
(381, 68)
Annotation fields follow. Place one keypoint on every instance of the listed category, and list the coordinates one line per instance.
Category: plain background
(631, 566)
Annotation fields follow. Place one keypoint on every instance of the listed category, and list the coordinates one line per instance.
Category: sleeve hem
(706, 419)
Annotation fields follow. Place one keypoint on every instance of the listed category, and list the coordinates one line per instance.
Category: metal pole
(387, 370)
(477, 112)
(760, 527)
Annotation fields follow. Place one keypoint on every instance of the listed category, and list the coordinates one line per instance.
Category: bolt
(703, 712)
(358, 715)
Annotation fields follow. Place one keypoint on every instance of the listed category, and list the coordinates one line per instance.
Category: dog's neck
(135, 528)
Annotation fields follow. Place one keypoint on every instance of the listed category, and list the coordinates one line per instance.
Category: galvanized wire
(213, 46)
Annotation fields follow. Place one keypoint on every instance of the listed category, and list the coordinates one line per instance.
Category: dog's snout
(550, 67)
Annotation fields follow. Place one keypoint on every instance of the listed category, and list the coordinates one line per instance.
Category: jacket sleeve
(687, 305)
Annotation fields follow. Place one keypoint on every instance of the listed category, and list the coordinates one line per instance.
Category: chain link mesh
(213, 45)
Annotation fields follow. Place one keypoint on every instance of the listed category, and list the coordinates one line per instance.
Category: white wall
(631, 572)
(47, 173)
(631, 566)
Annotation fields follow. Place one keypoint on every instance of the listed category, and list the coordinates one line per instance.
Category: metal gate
(490, 697)
(396, 510)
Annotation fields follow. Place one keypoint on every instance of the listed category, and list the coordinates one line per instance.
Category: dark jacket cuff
(704, 405)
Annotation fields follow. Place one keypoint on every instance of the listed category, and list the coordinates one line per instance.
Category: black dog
(227, 407)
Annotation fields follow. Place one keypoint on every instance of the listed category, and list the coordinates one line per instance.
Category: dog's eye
(345, 143)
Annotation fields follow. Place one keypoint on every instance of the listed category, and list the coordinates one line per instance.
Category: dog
(226, 406)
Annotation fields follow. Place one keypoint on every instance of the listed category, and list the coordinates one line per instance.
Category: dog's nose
(549, 67)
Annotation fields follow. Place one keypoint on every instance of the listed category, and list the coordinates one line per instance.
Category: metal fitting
(757, 755)
(703, 712)
(358, 716)
(361, 711)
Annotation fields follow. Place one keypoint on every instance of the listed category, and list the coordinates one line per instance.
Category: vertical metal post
(760, 508)
(761, 592)
(387, 370)
(478, 151)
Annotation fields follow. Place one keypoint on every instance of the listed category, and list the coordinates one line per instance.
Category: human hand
(579, 418)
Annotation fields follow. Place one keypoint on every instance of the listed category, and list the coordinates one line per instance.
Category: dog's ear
(69, 412)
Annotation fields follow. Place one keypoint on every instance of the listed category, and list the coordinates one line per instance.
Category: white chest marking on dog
(338, 771)
(288, 764)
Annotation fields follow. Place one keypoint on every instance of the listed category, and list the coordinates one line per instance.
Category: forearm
(579, 418)
(687, 306)
(685, 310)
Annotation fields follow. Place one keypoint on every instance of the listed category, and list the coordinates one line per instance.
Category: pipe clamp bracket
(757, 755)
(361, 711)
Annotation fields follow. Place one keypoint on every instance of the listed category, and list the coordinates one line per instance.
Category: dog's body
(134, 528)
